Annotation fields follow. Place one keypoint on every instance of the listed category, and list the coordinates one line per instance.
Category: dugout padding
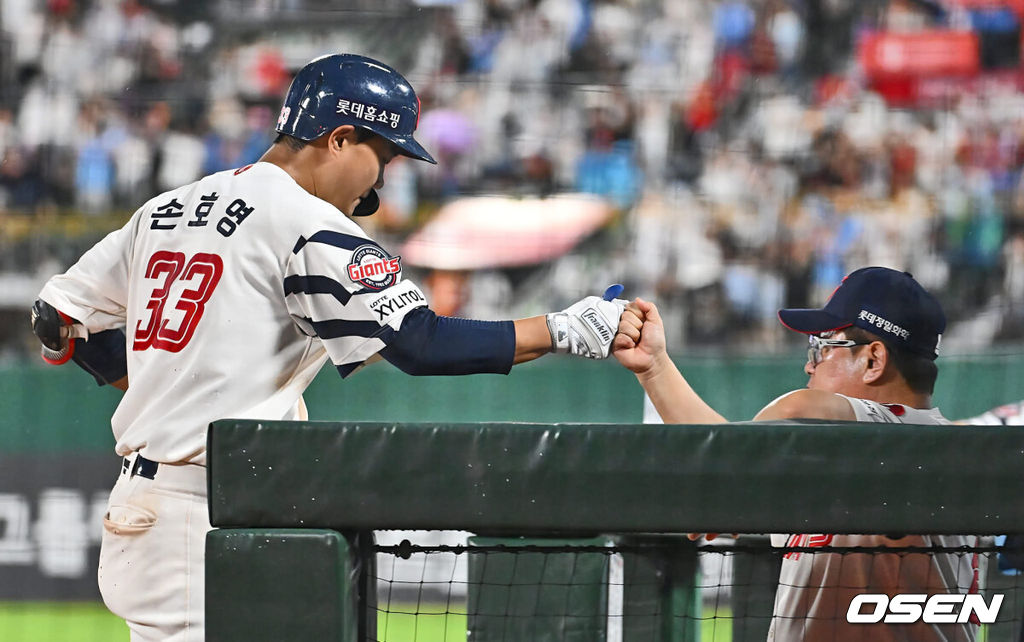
(281, 584)
(595, 478)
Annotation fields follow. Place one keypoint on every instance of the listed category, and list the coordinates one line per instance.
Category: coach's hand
(586, 328)
(641, 336)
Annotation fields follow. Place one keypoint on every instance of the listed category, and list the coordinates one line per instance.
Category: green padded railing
(597, 478)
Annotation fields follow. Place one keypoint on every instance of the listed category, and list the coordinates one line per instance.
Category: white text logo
(905, 608)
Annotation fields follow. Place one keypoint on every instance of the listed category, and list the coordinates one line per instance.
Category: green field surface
(437, 626)
(60, 622)
(423, 623)
(91, 622)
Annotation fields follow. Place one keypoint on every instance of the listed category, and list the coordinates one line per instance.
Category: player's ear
(876, 357)
(339, 136)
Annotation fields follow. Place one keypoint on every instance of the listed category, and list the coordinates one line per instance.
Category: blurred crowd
(107, 103)
(750, 160)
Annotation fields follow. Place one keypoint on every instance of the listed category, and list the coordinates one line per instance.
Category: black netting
(662, 587)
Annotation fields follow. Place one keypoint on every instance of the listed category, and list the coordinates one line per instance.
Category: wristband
(558, 328)
(58, 357)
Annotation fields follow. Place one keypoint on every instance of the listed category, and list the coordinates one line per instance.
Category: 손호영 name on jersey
(168, 215)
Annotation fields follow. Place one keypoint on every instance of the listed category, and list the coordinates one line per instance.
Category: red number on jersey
(164, 263)
(157, 332)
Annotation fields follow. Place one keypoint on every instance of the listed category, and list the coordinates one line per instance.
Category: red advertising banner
(941, 92)
(887, 55)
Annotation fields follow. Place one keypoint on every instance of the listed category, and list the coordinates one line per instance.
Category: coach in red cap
(871, 358)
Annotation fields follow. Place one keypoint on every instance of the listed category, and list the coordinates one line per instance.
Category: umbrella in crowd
(494, 231)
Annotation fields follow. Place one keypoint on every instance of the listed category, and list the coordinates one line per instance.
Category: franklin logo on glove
(595, 319)
(586, 328)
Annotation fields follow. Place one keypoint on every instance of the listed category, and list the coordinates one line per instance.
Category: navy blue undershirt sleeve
(103, 356)
(428, 344)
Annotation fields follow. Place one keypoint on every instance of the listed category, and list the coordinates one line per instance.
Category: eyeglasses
(817, 344)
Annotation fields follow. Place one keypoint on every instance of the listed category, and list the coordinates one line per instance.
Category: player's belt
(141, 466)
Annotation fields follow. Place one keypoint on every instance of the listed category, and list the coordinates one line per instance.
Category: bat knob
(613, 291)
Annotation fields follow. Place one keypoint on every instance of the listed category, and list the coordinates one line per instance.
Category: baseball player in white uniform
(232, 293)
(871, 358)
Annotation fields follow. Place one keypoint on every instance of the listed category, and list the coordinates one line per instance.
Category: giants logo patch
(373, 268)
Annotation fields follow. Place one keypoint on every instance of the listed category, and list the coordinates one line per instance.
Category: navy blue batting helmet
(347, 89)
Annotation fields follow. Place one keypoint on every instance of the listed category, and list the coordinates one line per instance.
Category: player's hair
(295, 144)
(918, 371)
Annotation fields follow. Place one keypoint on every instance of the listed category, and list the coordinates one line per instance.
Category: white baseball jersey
(233, 291)
(1011, 414)
(815, 589)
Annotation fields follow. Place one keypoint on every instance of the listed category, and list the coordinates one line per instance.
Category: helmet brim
(411, 148)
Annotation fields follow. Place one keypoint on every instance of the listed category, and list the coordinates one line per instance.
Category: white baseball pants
(151, 570)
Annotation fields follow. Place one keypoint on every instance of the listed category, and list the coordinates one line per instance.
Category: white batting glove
(586, 328)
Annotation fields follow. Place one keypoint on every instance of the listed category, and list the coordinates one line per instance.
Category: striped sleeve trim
(335, 328)
(316, 284)
(336, 239)
(305, 326)
(346, 369)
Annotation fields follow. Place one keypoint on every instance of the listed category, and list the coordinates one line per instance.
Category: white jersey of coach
(803, 613)
(1011, 414)
(233, 291)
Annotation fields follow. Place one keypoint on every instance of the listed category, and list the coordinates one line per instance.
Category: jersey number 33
(185, 284)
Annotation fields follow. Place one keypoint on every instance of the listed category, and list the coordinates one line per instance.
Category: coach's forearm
(532, 339)
(672, 396)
